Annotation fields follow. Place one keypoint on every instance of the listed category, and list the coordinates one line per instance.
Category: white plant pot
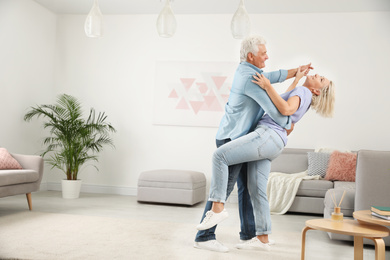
(71, 189)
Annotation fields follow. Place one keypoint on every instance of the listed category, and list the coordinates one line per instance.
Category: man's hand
(291, 129)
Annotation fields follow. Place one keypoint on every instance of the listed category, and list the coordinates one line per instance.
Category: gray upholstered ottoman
(172, 186)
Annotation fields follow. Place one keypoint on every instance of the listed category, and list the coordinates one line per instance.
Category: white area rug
(35, 235)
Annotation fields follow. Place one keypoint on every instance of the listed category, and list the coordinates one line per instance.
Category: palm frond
(73, 141)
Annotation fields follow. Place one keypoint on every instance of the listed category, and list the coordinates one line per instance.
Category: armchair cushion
(8, 162)
(12, 177)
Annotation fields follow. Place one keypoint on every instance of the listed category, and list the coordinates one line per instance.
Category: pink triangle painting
(218, 80)
(202, 87)
(187, 82)
(211, 104)
(209, 100)
(173, 94)
(196, 105)
(225, 98)
(182, 104)
(192, 93)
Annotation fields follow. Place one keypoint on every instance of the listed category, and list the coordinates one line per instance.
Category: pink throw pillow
(341, 167)
(7, 162)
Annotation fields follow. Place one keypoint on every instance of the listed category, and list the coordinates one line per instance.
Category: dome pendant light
(94, 23)
(241, 23)
(166, 21)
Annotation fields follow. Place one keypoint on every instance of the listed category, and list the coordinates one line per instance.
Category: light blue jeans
(258, 148)
(237, 173)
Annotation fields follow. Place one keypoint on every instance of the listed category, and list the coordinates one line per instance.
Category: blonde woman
(260, 147)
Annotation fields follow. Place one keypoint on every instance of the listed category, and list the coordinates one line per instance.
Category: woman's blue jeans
(258, 148)
(237, 173)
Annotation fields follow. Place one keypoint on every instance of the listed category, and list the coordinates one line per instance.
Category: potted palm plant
(73, 140)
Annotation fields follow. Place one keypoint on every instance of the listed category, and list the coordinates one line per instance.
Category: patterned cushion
(7, 162)
(318, 163)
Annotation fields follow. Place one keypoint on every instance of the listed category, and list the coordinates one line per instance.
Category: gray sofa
(372, 189)
(311, 193)
(314, 196)
(24, 181)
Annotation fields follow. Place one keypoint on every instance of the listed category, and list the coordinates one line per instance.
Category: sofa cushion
(344, 185)
(314, 188)
(341, 167)
(291, 161)
(318, 163)
(7, 161)
(11, 177)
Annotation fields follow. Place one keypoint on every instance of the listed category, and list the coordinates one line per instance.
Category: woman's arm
(300, 73)
(293, 85)
(288, 107)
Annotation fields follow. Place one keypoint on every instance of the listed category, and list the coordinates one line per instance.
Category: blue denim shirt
(248, 102)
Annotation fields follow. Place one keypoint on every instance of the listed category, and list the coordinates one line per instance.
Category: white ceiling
(215, 6)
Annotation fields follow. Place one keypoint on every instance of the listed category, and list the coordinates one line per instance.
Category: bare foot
(263, 239)
(217, 207)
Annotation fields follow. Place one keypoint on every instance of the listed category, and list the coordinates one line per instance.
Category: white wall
(115, 74)
(27, 53)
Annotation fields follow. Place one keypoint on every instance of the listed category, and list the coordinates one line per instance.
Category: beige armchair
(24, 181)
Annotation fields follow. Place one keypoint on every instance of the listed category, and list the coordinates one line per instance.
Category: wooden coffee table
(364, 216)
(352, 228)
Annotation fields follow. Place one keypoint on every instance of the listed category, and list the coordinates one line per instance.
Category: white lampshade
(166, 21)
(94, 23)
(241, 23)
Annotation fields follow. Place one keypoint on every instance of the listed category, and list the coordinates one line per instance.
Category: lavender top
(305, 96)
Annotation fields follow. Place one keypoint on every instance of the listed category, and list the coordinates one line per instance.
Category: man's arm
(293, 72)
(276, 76)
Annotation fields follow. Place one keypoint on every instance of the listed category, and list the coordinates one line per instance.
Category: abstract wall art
(192, 93)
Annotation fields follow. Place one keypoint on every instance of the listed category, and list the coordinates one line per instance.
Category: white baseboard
(90, 188)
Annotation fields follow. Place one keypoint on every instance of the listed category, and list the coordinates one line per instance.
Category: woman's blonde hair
(323, 104)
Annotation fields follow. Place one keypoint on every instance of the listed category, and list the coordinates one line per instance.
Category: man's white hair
(250, 44)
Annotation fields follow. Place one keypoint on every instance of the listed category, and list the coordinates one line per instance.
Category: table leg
(305, 229)
(358, 248)
(379, 249)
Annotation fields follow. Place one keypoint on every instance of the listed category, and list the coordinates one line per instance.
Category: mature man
(246, 105)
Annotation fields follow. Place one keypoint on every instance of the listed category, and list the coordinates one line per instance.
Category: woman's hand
(262, 81)
(307, 67)
(301, 72)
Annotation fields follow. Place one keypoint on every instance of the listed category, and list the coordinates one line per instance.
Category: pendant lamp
(241, 23)
(166, 21)
(94, 23)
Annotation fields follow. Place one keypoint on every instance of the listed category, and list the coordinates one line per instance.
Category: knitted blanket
(282, 188)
